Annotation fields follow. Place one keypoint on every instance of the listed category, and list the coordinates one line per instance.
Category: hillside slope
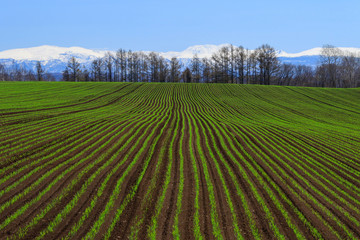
(183, 161)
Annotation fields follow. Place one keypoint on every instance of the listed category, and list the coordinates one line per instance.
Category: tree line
(16, 72)
(230, 64)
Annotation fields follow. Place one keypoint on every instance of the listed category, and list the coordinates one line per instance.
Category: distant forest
(229, 65)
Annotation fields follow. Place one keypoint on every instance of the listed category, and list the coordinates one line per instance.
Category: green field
(178, 161)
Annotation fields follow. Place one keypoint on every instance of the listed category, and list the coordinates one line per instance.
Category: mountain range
(54, 59)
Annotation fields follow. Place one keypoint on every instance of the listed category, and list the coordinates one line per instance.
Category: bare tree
(195, 67)
(134, 66)
(163, 69)
(121, 64)
(97, 69)
(252, 76)
(74, 69)
(187, 78)
(232, 59)
(86, 75)
(206, 70)
(143, 67)
(303, 76)
(240, 57)
(175, 70)
(268, 63)
(154, 66)
(350, 65)
(131, 59)
(109, 59)
(4, 76)
(49, 77)
(330, 60)
(30, 76)
(66, 75)
(221, 65)
(39, 71)
(18, 72)
(286, 74)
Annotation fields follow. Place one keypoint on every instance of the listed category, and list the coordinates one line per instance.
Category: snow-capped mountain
(47, 53)
(310, 57)
(54, 59)
(202, 51)
(316, 52)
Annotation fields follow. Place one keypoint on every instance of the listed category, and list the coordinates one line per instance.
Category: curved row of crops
(178, 161)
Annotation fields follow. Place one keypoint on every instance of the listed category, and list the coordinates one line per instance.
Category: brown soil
(276, 167)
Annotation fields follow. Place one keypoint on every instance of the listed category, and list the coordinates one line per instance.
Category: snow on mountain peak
(316, 52)
(55, 59)
(202, 51)
(46, 53)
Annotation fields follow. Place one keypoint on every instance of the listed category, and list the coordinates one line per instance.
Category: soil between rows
(277, 168)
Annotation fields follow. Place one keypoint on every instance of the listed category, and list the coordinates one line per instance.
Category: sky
(173, 25)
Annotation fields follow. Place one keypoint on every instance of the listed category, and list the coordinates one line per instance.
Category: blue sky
(173, 25)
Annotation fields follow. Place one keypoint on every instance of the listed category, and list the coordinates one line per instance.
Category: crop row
(181, 161)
